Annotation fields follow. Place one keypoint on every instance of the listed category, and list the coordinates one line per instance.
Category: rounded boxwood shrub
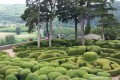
(23, 54)
(5, 68)
(77, 50)
(96, 49)
(72, 73)
(35, 68)
(63, 77)
(10, 77)
(43, 77)
(103, 74)
(45, 56)
(87, 76)
(15, 74)
(81, 73)
(2, 77)
(61, 70)
(99, 78)
(90, 56)
(77, 78)
(69, 66)
(32, 76)
(9, 71)
(45, 70)
(24, 73)
(53, 75)
(25, 64)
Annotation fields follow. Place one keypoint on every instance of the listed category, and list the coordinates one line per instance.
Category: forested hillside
(10, 14)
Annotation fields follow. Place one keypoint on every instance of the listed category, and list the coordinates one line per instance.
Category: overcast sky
(12, 1)
(16, 1)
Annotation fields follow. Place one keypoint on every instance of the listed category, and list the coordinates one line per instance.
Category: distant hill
(10, 14)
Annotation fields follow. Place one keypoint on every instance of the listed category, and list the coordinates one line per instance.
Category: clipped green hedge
(32, 76)
(69, 66)
(45, 70)
(79, 50)
(10, 77)
(105, 74)
(45, 56)
(72, 73)
(2, 77)
(25, 64)
(24, 73)
(63, 77)
(99, 78)
(53, 75)
(87, 76)
(43, 77)
(77, 78)
(61, 70)
(90, 56)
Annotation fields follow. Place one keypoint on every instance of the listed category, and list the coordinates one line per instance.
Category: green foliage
(9, 71)
(87, 76)
(45, 70)
(32, 76)
(96, 49)
(77, 78)
(45, 56)
(99, 78)
(24, 73)
(18, 30)
(81, 73)
(23, 54)
(103, 74)
(10, 39)
(35, 68)
(2, 77)
(53, 75)
(25, 64)
(61, 70)
(43, 77)
(90, 56)
(5, 68)
(63, 77)
(10, 77)
(69, 66)
(77, 51)
(72, 73)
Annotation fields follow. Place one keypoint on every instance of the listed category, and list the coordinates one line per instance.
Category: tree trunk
(38, 36)
(88, 27)
(50, 33)
(76, 30)
(39, 25)
(82, 31)
(103, 37)
(47, 28)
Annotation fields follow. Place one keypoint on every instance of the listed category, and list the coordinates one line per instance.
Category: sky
(12, 1)
(16, 1)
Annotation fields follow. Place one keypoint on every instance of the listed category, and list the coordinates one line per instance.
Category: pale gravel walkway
(11, 53)
(116, 78)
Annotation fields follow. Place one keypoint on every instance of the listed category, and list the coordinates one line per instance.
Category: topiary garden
(99, 61)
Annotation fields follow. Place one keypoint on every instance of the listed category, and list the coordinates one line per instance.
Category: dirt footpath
(10, 51)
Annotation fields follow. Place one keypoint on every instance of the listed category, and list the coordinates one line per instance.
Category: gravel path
(116, 78)
(10, 51)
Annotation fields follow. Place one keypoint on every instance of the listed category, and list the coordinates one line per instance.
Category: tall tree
(68, 10)
(35, 7)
